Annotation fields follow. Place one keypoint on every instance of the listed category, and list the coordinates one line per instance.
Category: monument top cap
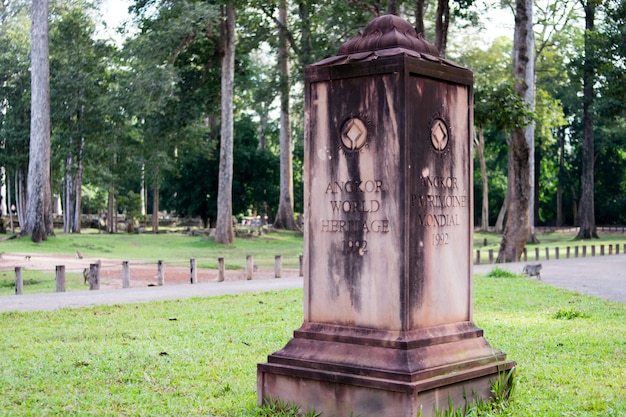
(384, 37)
(387, 32)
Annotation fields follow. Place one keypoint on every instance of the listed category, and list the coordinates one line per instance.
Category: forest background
(136, 119)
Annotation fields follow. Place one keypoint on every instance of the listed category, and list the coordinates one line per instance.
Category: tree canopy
(136, 128)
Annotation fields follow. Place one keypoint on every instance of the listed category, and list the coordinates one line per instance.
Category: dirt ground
(142, 274)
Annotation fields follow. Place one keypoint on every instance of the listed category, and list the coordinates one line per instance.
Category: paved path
(53, 301)
(600, 276)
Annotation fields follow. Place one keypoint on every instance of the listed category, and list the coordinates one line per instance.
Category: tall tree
(38, 221)
(176, 63)
(529, 99)
(497, 109)
(442, 23)
(285, 216)
(224, 232)
(587, 207)
(78, 84)
(420, 9)
(517, 225)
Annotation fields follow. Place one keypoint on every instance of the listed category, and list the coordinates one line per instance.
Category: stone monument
(388, 325)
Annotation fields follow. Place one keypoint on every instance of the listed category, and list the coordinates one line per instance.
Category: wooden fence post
(278, 266)
(160, 273)
(490, 256)
(477, 257)
(94, 277)
(125, 274)
(249, 267)
(536, 254)
(19, 282)
(301, 266)
(584, 251)
(575, 251)
(547, 254)
(567, 250)
(593, 250)
(556, 252)
(601, 250)
(60, 278)
(525, 254)
(220, 269)
(193, 271)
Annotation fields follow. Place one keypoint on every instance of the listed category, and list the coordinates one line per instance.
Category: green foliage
(569, 314)
(150, 110)
(14, 89)
(498, 272)
(278, 408)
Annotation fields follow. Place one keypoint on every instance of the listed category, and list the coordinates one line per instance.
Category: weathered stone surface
(388, 192)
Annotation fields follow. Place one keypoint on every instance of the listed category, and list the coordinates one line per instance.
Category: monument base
(342, 371)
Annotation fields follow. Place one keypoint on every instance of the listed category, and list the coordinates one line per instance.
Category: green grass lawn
(38, 282)
(171, 248)
(199, 356)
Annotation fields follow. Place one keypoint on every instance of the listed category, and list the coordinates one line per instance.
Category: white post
(278, 266)
(160, 275)
(19, 282)
(60, 278)
(220, 269)
(125, 275)
(94, 277)
(249, 266)
(193, 270)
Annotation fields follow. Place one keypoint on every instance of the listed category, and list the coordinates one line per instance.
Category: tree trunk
(155, 202)
(39, 205)
(224, 232)
(575, 206)
(284, 216)
(559, 186)
(517, 225)
(419, 16)
(392, 7)
(305, 32)
(263, 125)
(499, 226)
(442, 22)
(20, 197)
(529, 99)
(587, 208)
(9, 201)
(144, 197)
(78, 191)
(480, 149)
(68, 191)
(110, 205)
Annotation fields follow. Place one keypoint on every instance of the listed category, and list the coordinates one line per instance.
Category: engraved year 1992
(355, 247)
(441, 239)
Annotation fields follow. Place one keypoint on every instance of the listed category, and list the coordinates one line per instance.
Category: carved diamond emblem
(353, 134)
(439, 135)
